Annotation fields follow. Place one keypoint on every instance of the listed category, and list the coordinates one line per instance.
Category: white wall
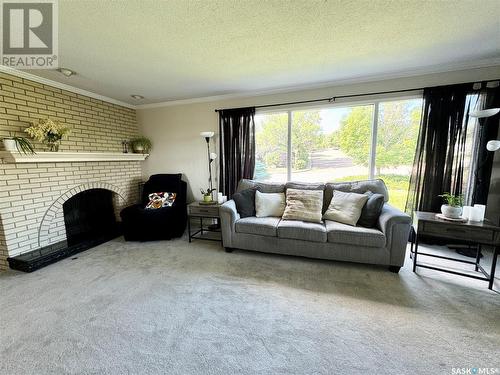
(175, 129)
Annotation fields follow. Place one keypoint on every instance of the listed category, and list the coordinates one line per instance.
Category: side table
(204, 211)
(482, 233)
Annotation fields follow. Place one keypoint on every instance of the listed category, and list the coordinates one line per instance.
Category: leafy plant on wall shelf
(453, 206)
(141, 145)
(19, 144)
(49, 132)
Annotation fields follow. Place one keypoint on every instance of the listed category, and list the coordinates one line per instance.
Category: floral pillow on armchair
(160, 200)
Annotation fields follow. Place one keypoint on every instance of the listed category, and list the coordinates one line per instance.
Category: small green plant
(452, 199)
(22, 144)
(141, 144)
(208, 192)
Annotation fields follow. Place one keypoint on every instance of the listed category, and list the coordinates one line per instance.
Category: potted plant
(49, 132)
(453, 206)
(207, 195)
(19, 144)
(141, 145)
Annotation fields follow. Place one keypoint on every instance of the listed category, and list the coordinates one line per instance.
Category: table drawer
(203, 211)
(458, 232)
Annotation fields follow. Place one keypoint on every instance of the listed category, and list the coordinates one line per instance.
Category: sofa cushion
(345, 207)
(305, 185)
(269, 204)
(343, 233)
(301, 230)
(360, 187)
(262, 226)
(261, 186)
(245, 202)
(303, 205)
(371, 210)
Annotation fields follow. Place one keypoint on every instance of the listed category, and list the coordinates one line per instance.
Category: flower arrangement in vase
(49, 132)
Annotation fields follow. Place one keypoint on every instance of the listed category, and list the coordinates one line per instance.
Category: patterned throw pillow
(159, 200)
(303, 205)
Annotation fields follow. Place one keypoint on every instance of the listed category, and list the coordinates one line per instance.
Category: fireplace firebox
(89, 220)
(89, 215)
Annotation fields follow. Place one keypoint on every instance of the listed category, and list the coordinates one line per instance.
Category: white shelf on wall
(68, 157)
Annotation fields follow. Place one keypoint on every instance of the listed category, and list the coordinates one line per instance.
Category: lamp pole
(209, 166)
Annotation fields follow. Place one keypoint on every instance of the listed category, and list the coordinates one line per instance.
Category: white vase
(451, 211)
(10, 145)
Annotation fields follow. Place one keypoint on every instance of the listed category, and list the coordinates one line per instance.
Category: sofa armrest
(228, 217)
(396, 226)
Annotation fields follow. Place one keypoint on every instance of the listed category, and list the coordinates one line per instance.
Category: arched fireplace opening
(89, 216)
(78, 220)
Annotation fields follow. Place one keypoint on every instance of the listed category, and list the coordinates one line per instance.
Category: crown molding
(455, 67)
(62, 86)
(477, 64)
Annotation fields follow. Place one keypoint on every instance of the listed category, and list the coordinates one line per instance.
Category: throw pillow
(245, 202)
(159, 200)
(371, 210)
(269, 204)
(345, 207)
(303, 205)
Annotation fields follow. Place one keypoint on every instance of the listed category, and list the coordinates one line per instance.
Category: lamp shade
(493, 145)
(207, 134)
(484, 113)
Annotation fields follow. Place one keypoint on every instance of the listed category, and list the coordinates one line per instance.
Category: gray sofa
(384, 245)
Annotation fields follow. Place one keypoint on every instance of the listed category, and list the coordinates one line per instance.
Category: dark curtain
(439, 159)
(490, 98)
(237, 147)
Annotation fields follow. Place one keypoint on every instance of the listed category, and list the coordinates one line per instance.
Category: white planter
(138, 149)
(451, 211)
(10, 145)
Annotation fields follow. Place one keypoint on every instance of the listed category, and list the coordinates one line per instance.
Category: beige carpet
(179, 308)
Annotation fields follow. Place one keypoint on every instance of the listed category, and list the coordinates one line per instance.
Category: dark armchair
(140, 224)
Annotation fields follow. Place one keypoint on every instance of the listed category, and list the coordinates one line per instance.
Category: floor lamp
(211, 157)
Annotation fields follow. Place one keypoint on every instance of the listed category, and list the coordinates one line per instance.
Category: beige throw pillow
(303, 205)
(269, 204)
(345, 207)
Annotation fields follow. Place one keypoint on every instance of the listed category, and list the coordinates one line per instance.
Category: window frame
(374, 100)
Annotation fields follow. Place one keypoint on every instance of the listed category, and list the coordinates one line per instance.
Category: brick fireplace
(34, 189)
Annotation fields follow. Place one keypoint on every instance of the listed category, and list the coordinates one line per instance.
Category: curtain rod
(333, 98)
(330, 99)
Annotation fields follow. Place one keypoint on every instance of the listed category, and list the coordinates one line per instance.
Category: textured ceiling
(167, 50)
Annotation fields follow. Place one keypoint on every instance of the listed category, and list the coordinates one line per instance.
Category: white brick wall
(27, 191)
(26, 195)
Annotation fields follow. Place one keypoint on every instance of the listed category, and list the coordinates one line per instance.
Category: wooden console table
(482, 233)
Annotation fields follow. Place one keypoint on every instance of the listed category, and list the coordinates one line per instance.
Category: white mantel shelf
(68, 157)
